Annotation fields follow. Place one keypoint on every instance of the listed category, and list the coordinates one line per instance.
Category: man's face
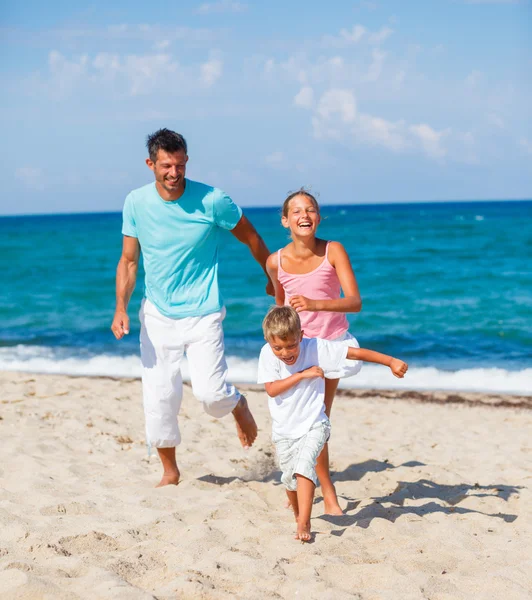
(169, 170)
(286, 350)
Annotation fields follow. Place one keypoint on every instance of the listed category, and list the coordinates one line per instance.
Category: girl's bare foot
(331, 506)
(246, 427)
(303, 532)
(169, 479)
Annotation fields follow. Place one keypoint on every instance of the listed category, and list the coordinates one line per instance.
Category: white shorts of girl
(299, 456)
(350, 367)
(163, 343)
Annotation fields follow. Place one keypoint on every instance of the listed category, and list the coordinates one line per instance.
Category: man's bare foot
(246, 427)
(169, 479)
(303, 532)
(331, 506)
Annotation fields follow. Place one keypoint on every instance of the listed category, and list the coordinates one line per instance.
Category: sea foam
(38, 359)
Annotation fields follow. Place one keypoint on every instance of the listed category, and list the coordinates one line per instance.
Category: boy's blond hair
(281, 322)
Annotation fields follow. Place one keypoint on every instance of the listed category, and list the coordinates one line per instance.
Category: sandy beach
(435, 489)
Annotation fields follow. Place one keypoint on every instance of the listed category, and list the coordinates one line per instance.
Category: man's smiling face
(286, 350)
(169, 170)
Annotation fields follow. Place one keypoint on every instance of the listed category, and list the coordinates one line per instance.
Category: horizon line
(387, 203)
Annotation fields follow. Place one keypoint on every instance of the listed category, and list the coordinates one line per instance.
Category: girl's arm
(351, 302)
(397, 366)
(274, 388)
(271, 269)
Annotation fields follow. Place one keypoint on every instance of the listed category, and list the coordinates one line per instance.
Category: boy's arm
(275, 388)
(397, 366)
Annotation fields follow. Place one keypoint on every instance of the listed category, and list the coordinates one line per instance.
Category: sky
(361, 101)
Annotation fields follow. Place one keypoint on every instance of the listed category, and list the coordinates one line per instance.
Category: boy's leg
(330, 500)
(161, 352)
(208, 375)
(305, 496)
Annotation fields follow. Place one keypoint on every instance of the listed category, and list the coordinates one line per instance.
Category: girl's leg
(305, 496)
(330, 499)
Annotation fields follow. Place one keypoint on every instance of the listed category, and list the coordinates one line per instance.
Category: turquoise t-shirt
(179, 243)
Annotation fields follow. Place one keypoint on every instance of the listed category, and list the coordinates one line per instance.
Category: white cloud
(376, 66)
(31, 177)
(337, 102)
(474, 78)
(430, 139)
(275, 159)
(379, 36)
(142, 32)
(380, 132)
(132, 74)
(305, 97)
(526, 144)
(493, 1)
(211, 71)
(221, 7)
(496, 120)
(357, 34)
(336, 117)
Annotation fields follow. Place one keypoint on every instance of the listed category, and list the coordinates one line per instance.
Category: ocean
(445, 286)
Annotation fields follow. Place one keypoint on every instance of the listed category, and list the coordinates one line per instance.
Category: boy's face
(286, 350)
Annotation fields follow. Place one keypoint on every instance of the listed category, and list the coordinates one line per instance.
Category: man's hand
(270, 290)
(398, 367)
(300, 303)
(312, 372)
(120, 326)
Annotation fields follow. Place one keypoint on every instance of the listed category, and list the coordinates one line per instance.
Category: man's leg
(208, 375)
(161, 354)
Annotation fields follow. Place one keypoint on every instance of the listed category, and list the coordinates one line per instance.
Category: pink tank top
(320, 284)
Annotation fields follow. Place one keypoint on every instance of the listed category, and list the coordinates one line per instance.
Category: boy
(292, 369)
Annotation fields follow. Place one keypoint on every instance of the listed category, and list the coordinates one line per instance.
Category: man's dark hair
(167, 140)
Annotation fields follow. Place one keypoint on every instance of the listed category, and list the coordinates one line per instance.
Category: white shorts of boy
(299, 456)
(163, 343)
(350, 367)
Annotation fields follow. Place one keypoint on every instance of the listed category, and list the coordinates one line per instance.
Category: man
(177, 223)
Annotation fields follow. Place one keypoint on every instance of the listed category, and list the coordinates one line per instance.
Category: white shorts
(350, 367)
(299, 456)
(163, 343)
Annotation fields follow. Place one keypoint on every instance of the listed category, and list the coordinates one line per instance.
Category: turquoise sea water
(448, 287)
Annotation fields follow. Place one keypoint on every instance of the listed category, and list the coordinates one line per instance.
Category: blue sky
(363, 101)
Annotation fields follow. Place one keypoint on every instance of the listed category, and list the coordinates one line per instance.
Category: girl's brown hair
(300, 192)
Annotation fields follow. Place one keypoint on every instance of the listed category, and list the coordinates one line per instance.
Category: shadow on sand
(451, 495)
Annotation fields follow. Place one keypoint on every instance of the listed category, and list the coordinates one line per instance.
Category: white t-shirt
(295, 412)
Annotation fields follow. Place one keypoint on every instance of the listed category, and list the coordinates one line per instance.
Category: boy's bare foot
(169, 479)
(303, 532)
(331, 506)
(246, 427)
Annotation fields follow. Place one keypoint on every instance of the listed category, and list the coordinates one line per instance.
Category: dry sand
(435, 487)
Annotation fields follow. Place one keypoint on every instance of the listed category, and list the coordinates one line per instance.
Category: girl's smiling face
(303, 216)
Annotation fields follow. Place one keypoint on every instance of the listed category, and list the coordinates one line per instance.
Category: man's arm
(247, 234)
(274, 388)
(126, 277)
(272, 268)
(397, 366)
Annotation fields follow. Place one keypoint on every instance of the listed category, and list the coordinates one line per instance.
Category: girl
(309, 274)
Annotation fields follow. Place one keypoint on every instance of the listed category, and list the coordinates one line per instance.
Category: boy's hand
(312, 372)
(300, 303)
(398, 367)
